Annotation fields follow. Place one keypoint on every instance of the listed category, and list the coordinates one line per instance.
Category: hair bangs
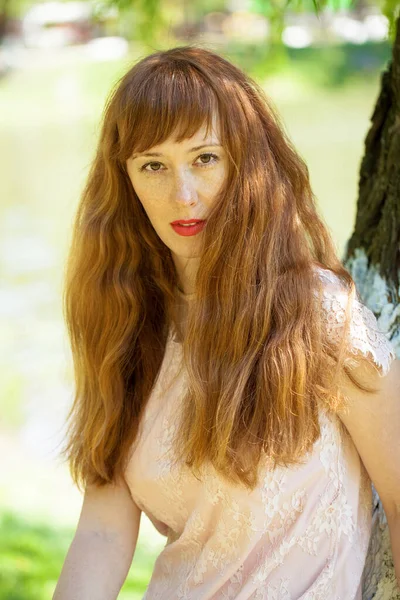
(175, 100)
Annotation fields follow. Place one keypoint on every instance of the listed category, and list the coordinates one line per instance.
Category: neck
(183, 295)
(186, 269)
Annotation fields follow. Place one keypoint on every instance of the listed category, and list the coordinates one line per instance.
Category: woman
(229, 382)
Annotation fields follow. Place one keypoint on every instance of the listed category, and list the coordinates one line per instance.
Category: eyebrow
(195, 149)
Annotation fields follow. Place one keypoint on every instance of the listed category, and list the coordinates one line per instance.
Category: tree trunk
(373, 259)
(373, 251)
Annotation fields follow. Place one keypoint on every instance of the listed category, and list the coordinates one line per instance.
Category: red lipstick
(188, 227)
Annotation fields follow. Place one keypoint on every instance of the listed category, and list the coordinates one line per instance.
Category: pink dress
(303, 533)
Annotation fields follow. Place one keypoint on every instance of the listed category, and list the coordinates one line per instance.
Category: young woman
(229, 381)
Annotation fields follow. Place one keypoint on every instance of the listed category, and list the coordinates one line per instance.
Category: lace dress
(303, 533)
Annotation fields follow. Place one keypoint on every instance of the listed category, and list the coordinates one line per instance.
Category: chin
(188, 254)
(185, 252)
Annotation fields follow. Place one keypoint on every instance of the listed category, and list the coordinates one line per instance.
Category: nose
(184, 190)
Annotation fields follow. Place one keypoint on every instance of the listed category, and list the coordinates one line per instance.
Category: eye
(151, 165)
(209, 157)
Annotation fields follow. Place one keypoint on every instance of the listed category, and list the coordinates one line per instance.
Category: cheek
(153, 197)
(211, 184)
(151, 194)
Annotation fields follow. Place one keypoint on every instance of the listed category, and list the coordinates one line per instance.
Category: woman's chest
(327, 480)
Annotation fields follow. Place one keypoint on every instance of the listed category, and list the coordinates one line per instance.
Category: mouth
(188, 227)
(187, 221)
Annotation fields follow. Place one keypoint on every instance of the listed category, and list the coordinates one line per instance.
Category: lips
(186, 221)
(188, 227)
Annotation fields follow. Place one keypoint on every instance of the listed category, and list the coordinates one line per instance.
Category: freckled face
(176, 181)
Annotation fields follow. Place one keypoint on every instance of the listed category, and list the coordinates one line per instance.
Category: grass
(32, 555)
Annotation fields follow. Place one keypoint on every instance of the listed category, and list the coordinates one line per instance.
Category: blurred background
(58, 62)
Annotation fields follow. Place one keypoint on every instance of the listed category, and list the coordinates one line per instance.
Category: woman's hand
(101, 552)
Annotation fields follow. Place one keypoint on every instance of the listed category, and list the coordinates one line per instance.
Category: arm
(394, 528)
(373, 421)
(101, 552)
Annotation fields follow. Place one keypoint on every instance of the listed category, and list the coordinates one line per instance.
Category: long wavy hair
(258, 364)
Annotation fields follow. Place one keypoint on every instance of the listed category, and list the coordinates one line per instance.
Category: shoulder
(345, 315)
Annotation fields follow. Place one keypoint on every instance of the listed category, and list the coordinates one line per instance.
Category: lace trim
(364, 336)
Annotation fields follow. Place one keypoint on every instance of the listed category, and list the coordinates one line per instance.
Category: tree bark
(377, 227)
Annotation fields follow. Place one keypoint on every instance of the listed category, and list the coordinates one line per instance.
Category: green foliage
(149, 21)
(207, 6)
(329, 67)
(275, 10)
(391, 8)
(270, 8)
(334, 5)
(147, 18)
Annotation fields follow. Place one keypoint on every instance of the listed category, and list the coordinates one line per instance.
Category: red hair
(255, 353)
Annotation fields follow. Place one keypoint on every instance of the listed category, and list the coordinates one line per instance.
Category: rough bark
(377, 227)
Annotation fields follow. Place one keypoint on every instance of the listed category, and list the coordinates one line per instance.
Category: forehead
(203, 135)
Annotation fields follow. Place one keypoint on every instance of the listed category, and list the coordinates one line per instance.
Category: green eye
(212, 158)
(151, 164)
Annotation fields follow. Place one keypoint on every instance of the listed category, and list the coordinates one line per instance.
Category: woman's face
(179, 181)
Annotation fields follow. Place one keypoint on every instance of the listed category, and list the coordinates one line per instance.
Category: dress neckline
(173, 336)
